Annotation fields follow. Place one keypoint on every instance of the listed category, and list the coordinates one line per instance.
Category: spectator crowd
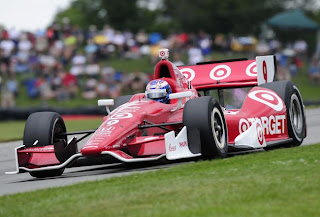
(63, 61)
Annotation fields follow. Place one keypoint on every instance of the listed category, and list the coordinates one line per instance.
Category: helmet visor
(156, 93)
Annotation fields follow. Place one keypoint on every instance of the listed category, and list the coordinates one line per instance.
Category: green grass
(308, 91)
(13, 130)
(131, 65)
(283, 182)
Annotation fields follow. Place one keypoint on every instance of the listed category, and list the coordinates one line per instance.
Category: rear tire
(206, 115)
(296, 120)
(45, 128)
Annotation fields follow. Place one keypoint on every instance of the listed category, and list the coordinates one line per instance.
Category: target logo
(243, 125)
(188, 73)
(251, 69)
(164, 53)
(260, 134)
(220, 72)
(268, 98)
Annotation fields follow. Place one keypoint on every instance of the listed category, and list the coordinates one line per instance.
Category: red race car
(177, 117)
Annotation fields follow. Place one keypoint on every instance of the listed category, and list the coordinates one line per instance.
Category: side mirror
(180, 96)
(107, 103)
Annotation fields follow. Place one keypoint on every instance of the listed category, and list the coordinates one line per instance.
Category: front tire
(43, 129)
(206, 115)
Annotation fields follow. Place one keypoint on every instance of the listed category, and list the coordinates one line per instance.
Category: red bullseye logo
(243, 125)
(268, 98)
(251, 69)
(260, 133)
(188, 73)
(162, 53)
(220, 72)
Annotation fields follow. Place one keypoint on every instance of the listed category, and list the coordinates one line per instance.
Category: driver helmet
(158, 90)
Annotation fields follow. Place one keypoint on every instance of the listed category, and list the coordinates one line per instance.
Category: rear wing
(231, 73)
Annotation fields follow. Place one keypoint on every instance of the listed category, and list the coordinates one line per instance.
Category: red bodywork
(120, 134)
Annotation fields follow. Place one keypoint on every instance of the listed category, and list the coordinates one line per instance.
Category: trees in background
(213, 16)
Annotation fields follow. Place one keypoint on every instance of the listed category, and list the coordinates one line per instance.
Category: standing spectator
(45, 90)
(69, 83)
(6, 50)
(119, 42)
(301, 47)
(41, 44)
(108, 32)
(78, 64)
(7, 97)
(204, 43)
(12, 85)
(91, 49)
(14, 35)
(141, 38)
(194, 55)
(89, 91)
(24, 45)
(93, 68)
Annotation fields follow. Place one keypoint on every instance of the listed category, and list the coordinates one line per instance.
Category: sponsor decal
(268, 98)
(183, 144)
(90, 146)
(260, 134)
(162, 53)
(125, 111)
(220, 72)
(272, 125)
(50, 149)
(172, 147)
(188, 73)
(116, 146)
(251, 69)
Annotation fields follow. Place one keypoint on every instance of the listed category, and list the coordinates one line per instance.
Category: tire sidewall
(197, 114)
(292, 95)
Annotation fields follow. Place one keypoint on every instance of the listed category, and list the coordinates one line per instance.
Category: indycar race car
(192, 124)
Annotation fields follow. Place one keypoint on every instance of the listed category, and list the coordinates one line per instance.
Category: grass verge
(283, 182)
(13, 130)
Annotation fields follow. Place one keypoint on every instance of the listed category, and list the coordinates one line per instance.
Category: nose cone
(91, 151)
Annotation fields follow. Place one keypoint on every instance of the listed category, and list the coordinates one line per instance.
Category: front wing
(177, 147)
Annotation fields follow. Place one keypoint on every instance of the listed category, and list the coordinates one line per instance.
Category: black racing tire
(44, 127)
(296, 119)
(206, 115)
(120, 101)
